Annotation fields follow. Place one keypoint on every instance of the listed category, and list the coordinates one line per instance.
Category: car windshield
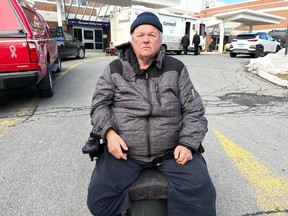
(246, 36)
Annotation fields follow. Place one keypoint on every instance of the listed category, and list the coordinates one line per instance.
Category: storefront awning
(249, 17)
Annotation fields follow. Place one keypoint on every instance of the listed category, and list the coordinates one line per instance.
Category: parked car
(68, 45)
(28, 50)
(279, 35)
(254, 44)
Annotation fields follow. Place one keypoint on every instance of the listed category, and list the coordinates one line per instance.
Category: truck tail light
(33, 52)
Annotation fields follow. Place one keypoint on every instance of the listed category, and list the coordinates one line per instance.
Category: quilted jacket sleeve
(102, 117)
(194, 126)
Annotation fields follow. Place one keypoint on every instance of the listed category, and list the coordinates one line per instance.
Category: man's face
(146, 41)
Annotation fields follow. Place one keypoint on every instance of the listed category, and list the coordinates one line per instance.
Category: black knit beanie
(146, 18)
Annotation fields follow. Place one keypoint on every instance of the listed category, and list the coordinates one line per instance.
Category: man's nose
(146, 38)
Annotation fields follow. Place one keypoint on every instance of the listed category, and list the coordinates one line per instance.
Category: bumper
(19, 79)
(242, 51)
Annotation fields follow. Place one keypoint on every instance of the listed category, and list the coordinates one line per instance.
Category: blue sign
(88, 23)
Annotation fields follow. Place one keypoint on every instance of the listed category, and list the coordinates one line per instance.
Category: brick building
(89, 20)
(273, 7)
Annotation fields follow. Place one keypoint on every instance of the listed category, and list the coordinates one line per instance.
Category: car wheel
(81, 53)
(46, 85)
(259, 52)
(277, 49)
(233, 55)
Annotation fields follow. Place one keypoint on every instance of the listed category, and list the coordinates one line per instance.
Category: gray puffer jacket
(153, 110)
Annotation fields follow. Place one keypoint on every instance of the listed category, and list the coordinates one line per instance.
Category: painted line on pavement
(271, 192)
(61, 74)
(7, 125)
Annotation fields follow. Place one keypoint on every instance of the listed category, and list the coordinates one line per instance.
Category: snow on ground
(273, 63)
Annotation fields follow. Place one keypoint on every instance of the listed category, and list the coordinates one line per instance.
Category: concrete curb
(272, 78)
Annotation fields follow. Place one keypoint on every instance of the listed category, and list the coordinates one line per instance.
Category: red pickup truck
(29, 53)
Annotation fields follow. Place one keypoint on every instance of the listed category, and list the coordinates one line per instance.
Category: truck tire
(45, 87)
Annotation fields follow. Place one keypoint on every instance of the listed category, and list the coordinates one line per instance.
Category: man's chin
(147, 55)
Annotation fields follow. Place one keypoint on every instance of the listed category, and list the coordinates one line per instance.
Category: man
(144, 106)
(196, 42)
(185, 41)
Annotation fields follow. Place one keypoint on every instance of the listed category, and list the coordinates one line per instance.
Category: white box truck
(174, 27)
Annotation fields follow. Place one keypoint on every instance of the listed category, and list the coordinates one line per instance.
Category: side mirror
(59, 31)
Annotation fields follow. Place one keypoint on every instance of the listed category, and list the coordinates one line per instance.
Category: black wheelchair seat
(150, 185)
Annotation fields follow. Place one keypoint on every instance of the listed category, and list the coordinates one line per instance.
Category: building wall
(48, 9)
(89, 13)
(275, 7)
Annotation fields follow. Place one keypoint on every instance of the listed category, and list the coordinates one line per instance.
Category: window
(202, 30)
(68, 36)
(74, 2)
(88, 34)
(35, 22)
(269, 37)
(262, 36)
(246, 36)
(78, 33)
(83, 3)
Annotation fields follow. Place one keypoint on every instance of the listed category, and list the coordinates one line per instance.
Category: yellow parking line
(271, 191)
(61, 74)
(6, 125)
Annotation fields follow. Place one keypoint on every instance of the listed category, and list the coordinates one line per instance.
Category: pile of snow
(273, 63)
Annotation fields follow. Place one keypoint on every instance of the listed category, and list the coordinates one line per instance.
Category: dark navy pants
(190, 189)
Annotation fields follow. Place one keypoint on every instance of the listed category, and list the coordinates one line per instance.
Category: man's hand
(182, 154)
(115, 145)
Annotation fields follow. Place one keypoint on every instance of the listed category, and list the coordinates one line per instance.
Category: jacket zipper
(157, 94)
(148, 118)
